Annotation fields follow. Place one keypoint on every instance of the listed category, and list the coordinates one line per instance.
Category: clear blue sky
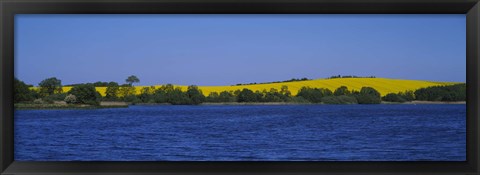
(231, 49)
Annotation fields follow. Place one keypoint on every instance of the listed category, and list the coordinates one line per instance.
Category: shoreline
(294, 103)
(57, 105)
(255, 103)
(103, 105)
(290, 103)
(426, 102)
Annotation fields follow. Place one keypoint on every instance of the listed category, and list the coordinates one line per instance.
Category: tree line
(285, 81)
(456, 92)
(349, 76)
(50, 90)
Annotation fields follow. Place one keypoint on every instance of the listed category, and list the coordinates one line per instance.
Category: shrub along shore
(63, 105)
(49, 95)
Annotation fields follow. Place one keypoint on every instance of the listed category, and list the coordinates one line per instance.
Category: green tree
(284, 91)
(368, 95)
(259, 96)
(112, 91)
(160, 94)
(147, 94)
(314, 95)
(132, 79)
(126, 90)
(342, 99)
(195, 95)
(342, 90)
(85, 94)
(310, 94)
(213, 97)
(392, 97)
(246, 95)
(100, 84)
(50, 86)
(22, 92)
(226, 96)
(456, 92)
(173, 95)
(273, 96)
(178, 97)
(164, 93)
(370, 91)
(285, 94)
(407, 95)
(54, 97)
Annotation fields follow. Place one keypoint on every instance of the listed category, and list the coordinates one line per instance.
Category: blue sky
(231, 49)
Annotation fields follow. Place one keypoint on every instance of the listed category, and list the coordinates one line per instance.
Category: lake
(244, 133)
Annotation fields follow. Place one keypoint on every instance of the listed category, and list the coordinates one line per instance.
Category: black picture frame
(8, 9)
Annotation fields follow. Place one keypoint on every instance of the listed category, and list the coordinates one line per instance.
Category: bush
(147, 94)
(455, 92)
(160, 96)
(132, 99)
(55, 97)
(86, 94)
(196, 96)
(368, 95)
(70, 99)
(407, 95)
(112, 91)
(392, 97)
(342, 90)
(170, 94)
(38, 101)
(50, 86)
(177, 97)
(22, 92)
(226, 96)
(314, 95)
(246, 95)
(367, 99)
(343, 99)
(126, 90)
(213, 97)
(299, 100)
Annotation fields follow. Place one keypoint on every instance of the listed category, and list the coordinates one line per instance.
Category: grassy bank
(296, 103)
(426, 102)
(29, 106)
(256, 103)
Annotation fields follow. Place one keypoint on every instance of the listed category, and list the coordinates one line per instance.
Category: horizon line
(276, 82)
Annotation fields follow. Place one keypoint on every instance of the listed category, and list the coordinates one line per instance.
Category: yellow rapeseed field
(383, 85)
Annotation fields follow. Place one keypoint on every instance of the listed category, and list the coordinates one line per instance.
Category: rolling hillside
(383, 85)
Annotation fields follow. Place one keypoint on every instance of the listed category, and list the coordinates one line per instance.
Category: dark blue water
(289, 132)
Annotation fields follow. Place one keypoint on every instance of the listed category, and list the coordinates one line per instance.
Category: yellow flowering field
(383, 85)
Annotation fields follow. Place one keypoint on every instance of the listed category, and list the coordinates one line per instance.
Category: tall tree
(246, 95)
(195, 94)
(368, 95)
(50, 86)
(22, 92)
(132, 79)
(284, 91)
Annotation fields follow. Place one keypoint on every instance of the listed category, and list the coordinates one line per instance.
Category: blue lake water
(227, 133)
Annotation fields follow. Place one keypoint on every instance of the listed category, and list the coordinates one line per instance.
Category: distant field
(383, 85)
